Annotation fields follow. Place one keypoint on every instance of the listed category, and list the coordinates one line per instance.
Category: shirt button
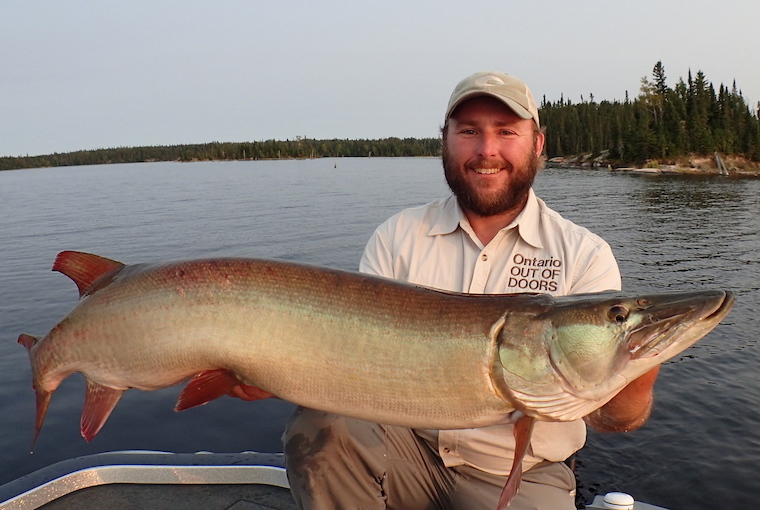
(484, 257)
(447, 450)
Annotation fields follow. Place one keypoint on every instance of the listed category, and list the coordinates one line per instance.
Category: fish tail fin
(42, 398)
(84, 268)
(522, 429)
(28, 341)
(99, 401)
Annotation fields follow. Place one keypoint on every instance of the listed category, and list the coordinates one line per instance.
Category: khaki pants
(335, 462)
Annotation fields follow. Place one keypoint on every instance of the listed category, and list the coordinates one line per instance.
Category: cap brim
(513, 105)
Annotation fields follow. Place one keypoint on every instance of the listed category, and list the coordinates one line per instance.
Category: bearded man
(493, 235)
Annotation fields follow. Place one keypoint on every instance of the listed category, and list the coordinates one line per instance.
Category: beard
(510, 197)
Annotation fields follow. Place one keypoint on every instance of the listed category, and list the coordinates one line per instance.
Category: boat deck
(172, 497)
(155, 481)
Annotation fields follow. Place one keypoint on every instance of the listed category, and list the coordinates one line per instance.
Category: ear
(539, 140)
(445, 129)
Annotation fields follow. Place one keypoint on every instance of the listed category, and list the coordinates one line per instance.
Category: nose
(488, 145)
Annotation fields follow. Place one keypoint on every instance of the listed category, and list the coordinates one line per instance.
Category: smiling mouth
(486, 171)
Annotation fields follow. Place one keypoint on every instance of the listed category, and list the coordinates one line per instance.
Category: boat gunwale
(141, 467)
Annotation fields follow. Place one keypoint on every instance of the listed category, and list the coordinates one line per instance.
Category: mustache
(490, 163)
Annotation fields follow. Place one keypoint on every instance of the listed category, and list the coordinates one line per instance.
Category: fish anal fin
(99, 401)
(523, 430)
(206, 386)
(84, 268)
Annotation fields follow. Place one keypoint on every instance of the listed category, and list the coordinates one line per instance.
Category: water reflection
(690, 192)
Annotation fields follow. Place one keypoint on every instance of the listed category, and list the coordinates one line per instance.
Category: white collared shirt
(434, 245)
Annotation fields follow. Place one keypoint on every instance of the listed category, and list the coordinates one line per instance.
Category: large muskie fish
(356, 345)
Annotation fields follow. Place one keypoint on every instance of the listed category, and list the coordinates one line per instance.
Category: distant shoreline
(298, 149)
(691, 165)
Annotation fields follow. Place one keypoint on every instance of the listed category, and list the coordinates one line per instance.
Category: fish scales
(303, 334)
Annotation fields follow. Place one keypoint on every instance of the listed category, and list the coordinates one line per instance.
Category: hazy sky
(96, 74)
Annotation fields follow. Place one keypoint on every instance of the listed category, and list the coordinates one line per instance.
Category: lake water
(699, 450)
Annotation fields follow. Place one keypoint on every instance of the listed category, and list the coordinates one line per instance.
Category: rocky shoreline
(692, 165)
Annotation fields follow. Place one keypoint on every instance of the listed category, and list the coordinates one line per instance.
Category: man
(492, 236)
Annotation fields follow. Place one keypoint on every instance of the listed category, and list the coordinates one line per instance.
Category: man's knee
(310, 433)
(333, 461)
(549, 485)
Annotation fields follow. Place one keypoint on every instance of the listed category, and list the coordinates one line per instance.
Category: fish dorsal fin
(522, 430)
(84, 268)
(99, 401)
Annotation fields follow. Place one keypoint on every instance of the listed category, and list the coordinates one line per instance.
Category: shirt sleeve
(377, 258)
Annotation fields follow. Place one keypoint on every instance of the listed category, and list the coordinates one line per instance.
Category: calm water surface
(699, 450)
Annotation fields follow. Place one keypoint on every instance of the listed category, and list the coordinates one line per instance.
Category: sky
(82, 75)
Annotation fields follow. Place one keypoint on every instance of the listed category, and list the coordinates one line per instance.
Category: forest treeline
(300, 148)
(661, 124)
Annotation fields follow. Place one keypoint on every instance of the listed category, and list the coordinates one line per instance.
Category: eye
(618, 314)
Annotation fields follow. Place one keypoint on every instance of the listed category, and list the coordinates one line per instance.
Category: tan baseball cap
(510, 90)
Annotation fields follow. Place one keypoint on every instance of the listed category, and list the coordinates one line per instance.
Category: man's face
(490, 156)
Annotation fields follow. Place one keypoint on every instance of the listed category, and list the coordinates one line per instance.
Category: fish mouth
(671, 326)
(725, 306)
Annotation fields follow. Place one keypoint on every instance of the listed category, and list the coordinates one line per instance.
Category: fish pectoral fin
(522, 430)
(99, 401)
(206, 386)
(84, 268)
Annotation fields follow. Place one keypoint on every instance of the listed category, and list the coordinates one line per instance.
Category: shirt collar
(450, 217)
(528, 222)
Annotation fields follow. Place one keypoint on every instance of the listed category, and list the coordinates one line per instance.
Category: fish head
(598, 338)
(590, 346)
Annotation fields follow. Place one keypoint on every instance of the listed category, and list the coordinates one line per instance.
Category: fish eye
(618, 314)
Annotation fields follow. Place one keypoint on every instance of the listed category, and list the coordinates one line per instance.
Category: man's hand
(629, 409)
(245, 392)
